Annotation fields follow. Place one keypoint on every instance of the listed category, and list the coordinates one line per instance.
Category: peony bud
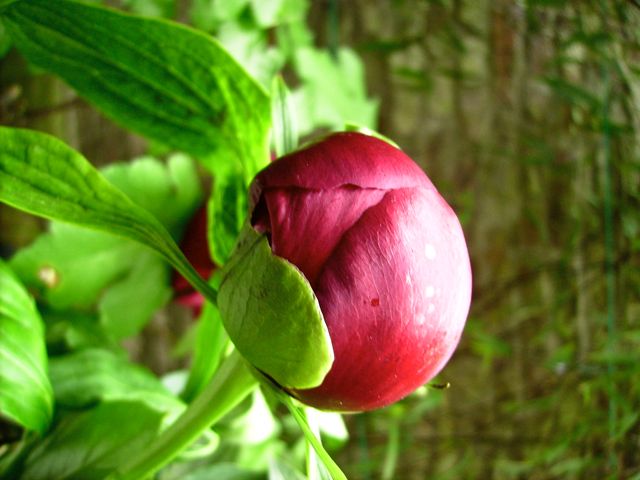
(385, 256)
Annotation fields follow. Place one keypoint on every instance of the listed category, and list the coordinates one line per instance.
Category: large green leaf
(164, 80)
(43, 176)
(25, 392)
(90, 445)
(86, 377)
(272, 315)
(72, 267)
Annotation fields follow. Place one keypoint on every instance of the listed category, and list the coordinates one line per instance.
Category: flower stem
(233, 382)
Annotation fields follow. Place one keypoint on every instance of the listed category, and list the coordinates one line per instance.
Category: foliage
(526, 113)
(95, 290)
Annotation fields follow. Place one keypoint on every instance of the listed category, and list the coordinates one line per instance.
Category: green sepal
(272, 315)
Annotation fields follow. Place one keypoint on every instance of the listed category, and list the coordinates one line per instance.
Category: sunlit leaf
(89, 376)
(164, 80)
(25, 392)
(76, 268)
(91, 444)
(41, 175)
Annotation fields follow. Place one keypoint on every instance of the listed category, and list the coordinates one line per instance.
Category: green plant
(112, 418)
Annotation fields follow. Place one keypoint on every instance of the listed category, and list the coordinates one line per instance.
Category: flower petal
(395, 291)
(306, 226)
(346, 158)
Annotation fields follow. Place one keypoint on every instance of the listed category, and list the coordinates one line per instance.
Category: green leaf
(210, 345)
(56, 264)
(152, 8)
(74, 331)
(332, 91)
(161, 79)
(251, 47)
(207, 15)
(25, 392)
(73, 268)
(91, 444)
(89, 376)
(227, 211)
(272, 315)
(129, 303)
(280, 470)
(171, 191)
(269, 13)
(250, 424)
(222, 471)
(43, 176)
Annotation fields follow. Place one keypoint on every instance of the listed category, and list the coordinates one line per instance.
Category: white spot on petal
(430, 251)
(431, 308)
(430, 291)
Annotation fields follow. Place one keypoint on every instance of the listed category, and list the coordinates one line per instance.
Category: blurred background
(525, 114)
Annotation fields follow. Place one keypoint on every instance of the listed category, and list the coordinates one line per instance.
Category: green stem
(300, 418)
(233, 382)
(312, 459)
(393, 446)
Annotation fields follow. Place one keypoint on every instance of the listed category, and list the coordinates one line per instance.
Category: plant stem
(312, 459)
(177, 259)
(393, 447)
(230, 386)
(301, 419)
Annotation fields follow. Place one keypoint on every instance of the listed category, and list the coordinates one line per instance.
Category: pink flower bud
(385, 256)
